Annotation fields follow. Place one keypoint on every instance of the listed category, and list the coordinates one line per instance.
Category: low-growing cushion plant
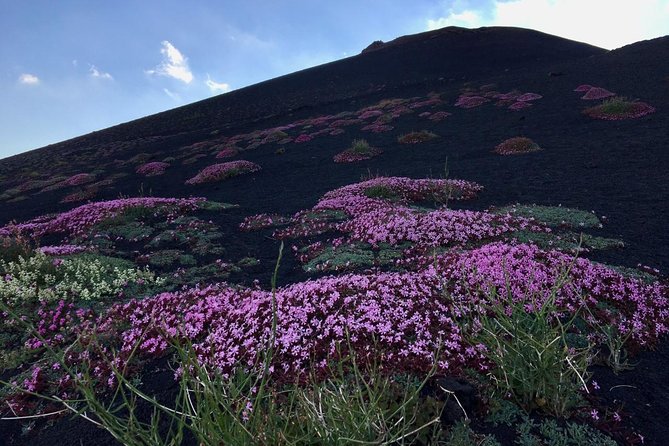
(416, 137)
(154, 168)
(359, 150)
(222, 171)
(516, 146)
(77, 277)
(619, 108)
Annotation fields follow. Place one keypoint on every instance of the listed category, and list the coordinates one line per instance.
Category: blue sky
(70, 67)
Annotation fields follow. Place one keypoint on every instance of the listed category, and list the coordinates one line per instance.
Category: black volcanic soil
(619, 169)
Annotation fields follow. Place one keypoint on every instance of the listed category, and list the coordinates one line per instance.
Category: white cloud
(99, 74)
(215, 87)
(172, 94)
(174, 64)
(602, 23)
(28, 79)
(467, 19)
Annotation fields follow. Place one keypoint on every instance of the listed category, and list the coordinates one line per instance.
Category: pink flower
(303, 138)
(228, 152)
(467, 101)
(152, 169)
(528, 97)
(597, 93)
(218, 172)
(80, 178)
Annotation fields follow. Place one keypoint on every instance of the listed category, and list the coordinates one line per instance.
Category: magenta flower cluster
(227, 153)
(222, 171)
(527, 97)
(370, 114)
(442, 227)
(432, 102)
(303, 138)
(352, 156)
(261, 221)
(76, 221)
(594, 93)
(78, 179)
(152, 169)
(62, 250)
(531, 274)
(402, 316)
(470, 101)
(377, 128)
(519, 105)
(439, 116)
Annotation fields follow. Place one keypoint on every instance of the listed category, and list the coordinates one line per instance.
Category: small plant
(619, 108)
(360, 146)
(516, 146)
(303, 138)
(526, 97)
(519, 105)
(359, 150)
(377, 128)
(416, 137)
(78, 179)
(13, 245)
(218, 172)
(462, 435)
(359, 402)
(556, 216)
(470, 101)
(595, 93)
(82, 277)
(439, 116)
(152, 169)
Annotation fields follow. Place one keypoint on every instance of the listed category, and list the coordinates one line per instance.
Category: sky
(69, 67)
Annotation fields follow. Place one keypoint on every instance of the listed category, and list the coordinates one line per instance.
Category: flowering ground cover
(616, 109)
(360, 150)
(222, 171)
(152, 169)
(516, 146)
(404, 312)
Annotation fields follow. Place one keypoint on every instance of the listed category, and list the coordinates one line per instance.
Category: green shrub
(532, 359)
(360, 146)
(462, 435)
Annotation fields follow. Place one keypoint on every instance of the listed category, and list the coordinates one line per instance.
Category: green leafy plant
(365, 406)
(360, 146)
(553, 215)
(529, 350)
(462, 435)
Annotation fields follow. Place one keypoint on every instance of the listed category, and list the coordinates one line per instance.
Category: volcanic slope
(473, 89)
